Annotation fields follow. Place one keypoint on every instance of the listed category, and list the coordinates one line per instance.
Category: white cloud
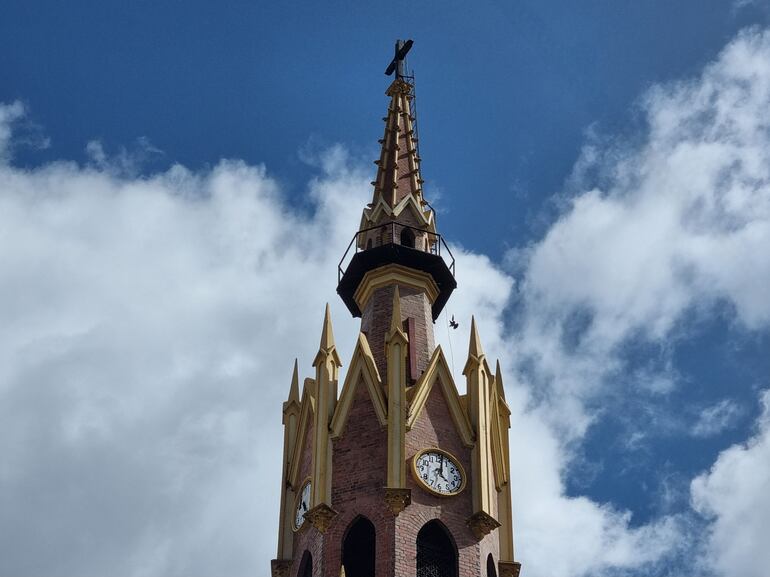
(716, 418)
(657, 233)
(9, 114)
(146, 342)
(735, 495)
(668, 228)
(149, 323)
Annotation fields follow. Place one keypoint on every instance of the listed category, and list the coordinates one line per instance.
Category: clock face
(439, 471)
(303, 504)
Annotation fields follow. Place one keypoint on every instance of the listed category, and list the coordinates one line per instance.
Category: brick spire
(398, 167)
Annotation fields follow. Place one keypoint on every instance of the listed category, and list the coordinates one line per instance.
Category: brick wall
(307, 538)
(434, 428)
(359, 467)
(375, 322)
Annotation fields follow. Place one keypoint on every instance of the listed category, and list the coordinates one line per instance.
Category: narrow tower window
(407, 237)
(306, 565)
(368, 244)
(491, 571)
(358, 549)
(436, 551)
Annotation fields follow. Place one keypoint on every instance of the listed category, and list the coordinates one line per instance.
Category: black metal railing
(435, 242)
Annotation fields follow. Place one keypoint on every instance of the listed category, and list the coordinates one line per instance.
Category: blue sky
(169, 170)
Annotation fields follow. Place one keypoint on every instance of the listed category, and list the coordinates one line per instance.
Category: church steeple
(400, 474)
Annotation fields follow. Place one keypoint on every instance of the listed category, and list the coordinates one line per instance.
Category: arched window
(491, 571)
(358, 549)
(306, 565)
(407, 237)
(436, 551)
(368, 244)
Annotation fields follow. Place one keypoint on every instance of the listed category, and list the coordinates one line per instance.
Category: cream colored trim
(373, 215)
(396, 348)
(438, 369)
(306, 417)
(500, 473)
(394, 274)
(362, 366)
(480, 403)
(425, 487)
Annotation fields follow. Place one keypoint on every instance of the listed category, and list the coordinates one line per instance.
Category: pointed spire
(327, 334)
(395, 317)
(474, 349)
(398, 168)
(327, 346)
(499, 380)
(294, 389)
(476, 356)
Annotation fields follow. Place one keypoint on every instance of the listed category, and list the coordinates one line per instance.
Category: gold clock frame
(424, 486)
(305, 481)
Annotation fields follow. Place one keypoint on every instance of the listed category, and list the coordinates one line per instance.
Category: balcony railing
(435, 242)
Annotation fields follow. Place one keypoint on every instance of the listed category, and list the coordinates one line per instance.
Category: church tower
(396, 474)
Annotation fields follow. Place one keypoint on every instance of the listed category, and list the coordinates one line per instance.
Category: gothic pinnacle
(327, 334)
(499, 380)
(294, 389)
(474, 349)
(327, 346)
(475, 352)
(395, 317)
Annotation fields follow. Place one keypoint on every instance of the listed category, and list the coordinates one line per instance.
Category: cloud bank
(149, 324)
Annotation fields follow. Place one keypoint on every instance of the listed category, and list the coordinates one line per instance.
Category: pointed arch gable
(362, 369)
(438, 370)
(501, 422)
(381, 208)
(498, 464)
(306, 416)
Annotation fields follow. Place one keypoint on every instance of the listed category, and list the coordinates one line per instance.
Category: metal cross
(397, 64)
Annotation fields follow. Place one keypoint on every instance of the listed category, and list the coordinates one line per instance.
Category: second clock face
(439, 471)
(303, 504)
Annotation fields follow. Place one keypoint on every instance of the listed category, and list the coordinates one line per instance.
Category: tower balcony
(395, 243)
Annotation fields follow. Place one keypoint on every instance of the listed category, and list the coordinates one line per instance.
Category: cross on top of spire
(397, 64)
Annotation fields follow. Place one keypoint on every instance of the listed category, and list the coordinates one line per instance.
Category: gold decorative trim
(321, 517)
(294, 527)
(362, 368)
(306, 417)
(425, 486)
(438, 370)
(397, 499)
(280, 567)
(509, 568)
(482, 524)
(399, 87)
(391, 274)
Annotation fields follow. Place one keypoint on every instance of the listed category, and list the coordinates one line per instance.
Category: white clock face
(303, 504)
(439, 472)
